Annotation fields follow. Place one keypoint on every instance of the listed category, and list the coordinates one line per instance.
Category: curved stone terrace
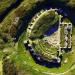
(56, 62)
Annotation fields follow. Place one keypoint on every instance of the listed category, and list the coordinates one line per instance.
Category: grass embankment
(4, 4)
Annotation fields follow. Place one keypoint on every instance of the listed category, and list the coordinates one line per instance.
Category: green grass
(4, 4)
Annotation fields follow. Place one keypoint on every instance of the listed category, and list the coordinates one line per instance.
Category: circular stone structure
(43, 38)
(45, 45)
(42, 41)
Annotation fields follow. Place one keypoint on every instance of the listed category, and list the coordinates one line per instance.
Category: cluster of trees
(9, 67)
